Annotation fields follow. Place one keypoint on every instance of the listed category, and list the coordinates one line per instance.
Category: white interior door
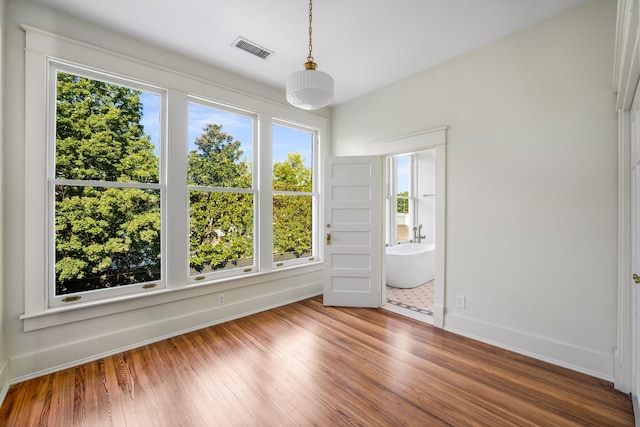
(353, 231)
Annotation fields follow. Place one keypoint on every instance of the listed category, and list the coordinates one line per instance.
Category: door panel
(353, 231)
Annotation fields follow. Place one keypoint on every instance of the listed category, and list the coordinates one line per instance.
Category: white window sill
(83, 311)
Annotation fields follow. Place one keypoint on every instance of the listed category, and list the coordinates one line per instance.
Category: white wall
(531, 183)
(42, 350)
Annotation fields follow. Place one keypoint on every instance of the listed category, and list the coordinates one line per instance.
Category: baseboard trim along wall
(593, 363)
(239, 304)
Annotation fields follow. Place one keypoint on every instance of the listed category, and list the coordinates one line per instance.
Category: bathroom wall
(531, 170)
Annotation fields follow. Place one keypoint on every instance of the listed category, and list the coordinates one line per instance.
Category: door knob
(328, 238)
(636, 278)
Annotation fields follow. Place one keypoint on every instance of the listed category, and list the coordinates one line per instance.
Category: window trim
(42, 46)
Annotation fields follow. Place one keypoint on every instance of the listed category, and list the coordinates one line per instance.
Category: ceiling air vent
(252, 48)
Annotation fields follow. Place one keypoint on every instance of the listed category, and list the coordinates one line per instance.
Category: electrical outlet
(461, 301)
(221, 299)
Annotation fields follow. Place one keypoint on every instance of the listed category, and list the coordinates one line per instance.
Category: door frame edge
(623, 351)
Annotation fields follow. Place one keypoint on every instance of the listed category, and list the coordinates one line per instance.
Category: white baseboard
(593, 363)
(27, 366)
(636, 409)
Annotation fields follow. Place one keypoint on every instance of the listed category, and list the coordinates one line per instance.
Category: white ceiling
(362, 44)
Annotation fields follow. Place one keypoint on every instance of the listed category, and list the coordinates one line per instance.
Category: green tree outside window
(104, 236)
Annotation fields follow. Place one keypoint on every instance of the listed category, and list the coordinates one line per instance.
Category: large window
(294, 196)
(106, 185)
(142, 180)
(117, 179)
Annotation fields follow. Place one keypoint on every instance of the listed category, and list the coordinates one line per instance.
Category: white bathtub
(410, 265)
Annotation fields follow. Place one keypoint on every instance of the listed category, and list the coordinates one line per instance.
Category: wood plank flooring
(305, 364)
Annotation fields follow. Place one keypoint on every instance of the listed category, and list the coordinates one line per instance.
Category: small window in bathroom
(400, 199)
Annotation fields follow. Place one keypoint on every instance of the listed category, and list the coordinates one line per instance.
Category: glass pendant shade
(309, 89)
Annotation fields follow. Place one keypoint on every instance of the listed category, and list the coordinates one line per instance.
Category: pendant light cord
(310, 57)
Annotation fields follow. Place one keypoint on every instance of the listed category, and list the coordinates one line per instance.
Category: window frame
(180, 82)
(55, 66)
(314, 194)
(392, 198)
(232, 272)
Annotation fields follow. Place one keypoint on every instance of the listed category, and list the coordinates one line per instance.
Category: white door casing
(353, 231)
(635, 249)
(425, 140)
(626, 74)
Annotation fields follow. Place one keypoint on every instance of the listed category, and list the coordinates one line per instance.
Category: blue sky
(240, 127)
(403, 173)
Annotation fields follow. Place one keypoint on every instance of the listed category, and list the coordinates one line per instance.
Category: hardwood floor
(306, 364)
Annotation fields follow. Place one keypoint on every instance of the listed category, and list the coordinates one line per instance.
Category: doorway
(410, 207)
(353, 224)
(434, 139)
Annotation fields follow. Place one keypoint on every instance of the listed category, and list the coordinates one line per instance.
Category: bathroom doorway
(366, 286)
(434, 140)
(410, 228)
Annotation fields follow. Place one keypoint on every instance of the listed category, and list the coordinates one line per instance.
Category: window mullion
(264, 226)
(176, 224)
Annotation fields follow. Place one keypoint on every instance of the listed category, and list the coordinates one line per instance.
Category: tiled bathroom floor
(419, 299)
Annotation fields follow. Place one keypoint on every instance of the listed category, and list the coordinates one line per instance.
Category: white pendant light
(310, 89)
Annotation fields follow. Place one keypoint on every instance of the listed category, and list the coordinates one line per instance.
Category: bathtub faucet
(417, 234)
